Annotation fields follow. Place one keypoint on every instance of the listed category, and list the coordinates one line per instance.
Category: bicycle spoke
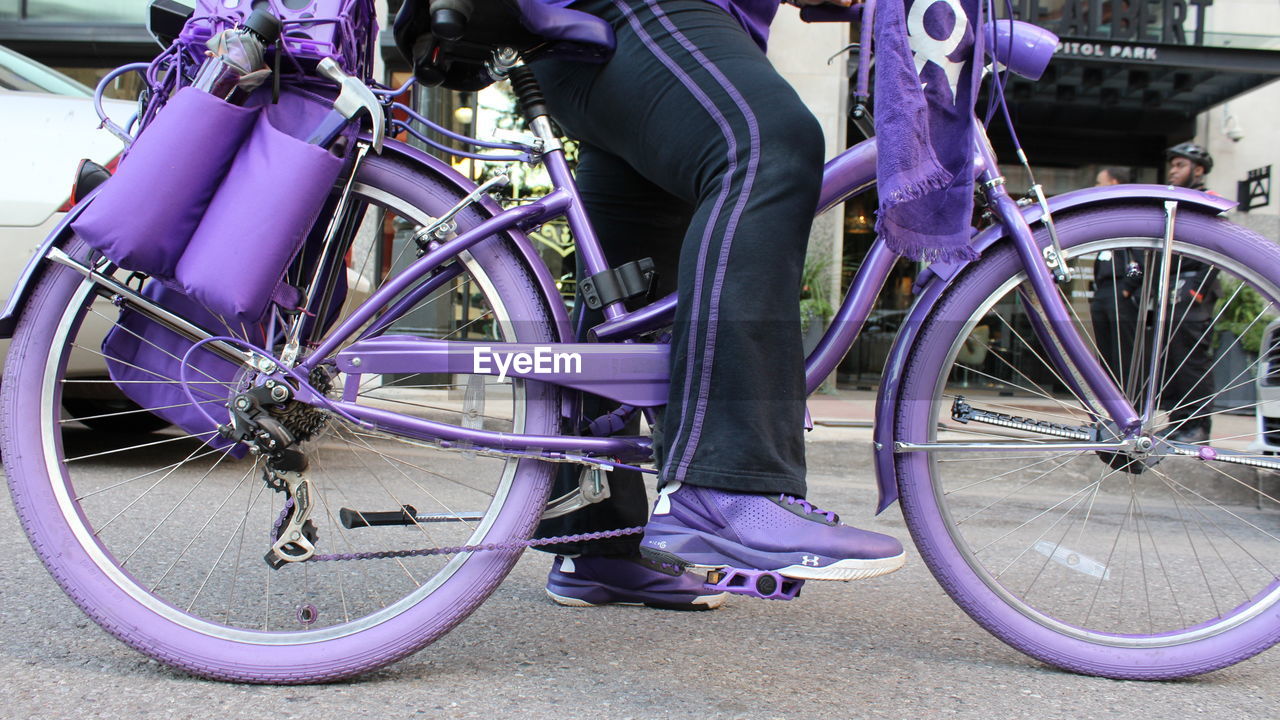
(160, 523)
(236, 534)
(207, 435)
(1049, 556)
(139, 411)
(135, 478)
(165, 379)
(1004, 474)
(1221, 531)
(105, 525)
(1083, 405)
(196, 536)
(140, 338)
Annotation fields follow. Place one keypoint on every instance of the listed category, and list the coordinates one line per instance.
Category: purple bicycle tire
(113, 608)
(919, 498)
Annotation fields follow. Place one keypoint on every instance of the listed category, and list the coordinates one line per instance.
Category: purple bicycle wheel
(1142, 565)
(161, 539)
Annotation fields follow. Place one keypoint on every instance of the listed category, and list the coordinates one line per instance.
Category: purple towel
(926, 83)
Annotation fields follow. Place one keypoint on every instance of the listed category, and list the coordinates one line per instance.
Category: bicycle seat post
(533, 106)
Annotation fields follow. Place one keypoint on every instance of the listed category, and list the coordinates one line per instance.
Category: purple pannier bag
(230, 269)
(145, 360)
(144, 216)
(224, 222)
(261, 214)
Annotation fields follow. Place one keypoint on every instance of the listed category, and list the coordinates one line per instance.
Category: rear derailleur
(259, 419)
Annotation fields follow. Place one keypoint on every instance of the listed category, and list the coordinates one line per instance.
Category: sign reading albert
(1168, 22)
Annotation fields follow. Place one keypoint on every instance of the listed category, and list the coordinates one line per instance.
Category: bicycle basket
(345, 30)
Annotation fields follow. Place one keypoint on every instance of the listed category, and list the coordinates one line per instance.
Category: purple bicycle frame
(633, 373)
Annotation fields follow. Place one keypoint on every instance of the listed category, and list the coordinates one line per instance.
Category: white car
(47, 126)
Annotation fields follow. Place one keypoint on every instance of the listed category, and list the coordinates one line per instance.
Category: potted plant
(815, 307)
(1242, 318)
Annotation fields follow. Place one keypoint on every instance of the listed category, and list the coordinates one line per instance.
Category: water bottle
(234, 66)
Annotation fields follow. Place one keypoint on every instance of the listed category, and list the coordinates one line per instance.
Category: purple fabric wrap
(926, 84)
(261, 214)
(145, 214)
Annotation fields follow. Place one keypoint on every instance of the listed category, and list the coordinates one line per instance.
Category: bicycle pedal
(763, 584)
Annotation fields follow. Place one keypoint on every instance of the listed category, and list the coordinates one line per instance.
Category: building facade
(1129, 79)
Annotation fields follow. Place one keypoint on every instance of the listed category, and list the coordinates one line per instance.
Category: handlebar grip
(831, 13)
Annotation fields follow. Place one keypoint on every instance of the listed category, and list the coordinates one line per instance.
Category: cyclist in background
(1113, 307)
(1189, 391)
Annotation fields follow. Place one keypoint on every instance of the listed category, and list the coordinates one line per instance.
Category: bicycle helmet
(1192, 152)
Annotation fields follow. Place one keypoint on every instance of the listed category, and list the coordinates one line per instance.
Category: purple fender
(937, 277)
(433, 166)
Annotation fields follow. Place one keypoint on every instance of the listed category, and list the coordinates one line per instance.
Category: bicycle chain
(487, 547)
(509, 545)
(457, 549)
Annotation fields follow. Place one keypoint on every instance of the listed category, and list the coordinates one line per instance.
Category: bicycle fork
(1040, 273)
(1063, 341)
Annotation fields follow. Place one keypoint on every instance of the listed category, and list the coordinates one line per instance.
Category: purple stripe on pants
(722, 262)
(681, 467)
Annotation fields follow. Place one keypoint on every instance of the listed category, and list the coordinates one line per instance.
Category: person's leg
(693, 105)
(633, 219)
(1189, 392)
(1102, 313)
(1190, 389)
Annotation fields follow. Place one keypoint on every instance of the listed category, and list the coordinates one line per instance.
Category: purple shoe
(705, 527)
(594, 580)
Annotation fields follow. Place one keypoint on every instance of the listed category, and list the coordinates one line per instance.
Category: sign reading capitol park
(1107, 50)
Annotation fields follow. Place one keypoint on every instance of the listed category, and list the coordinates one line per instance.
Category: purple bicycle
(356, 455)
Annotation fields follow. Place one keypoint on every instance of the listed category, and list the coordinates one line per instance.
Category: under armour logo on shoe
(809, 560)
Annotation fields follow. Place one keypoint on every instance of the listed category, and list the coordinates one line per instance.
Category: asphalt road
(891, 647)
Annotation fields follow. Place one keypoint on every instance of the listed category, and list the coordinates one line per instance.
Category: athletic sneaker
(705, 527)
(600, 580)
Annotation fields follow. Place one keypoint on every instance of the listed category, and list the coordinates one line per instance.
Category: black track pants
(697, 153)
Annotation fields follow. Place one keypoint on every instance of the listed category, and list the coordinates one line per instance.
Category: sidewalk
(842, 416)
(843, 406)
(850, 414)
